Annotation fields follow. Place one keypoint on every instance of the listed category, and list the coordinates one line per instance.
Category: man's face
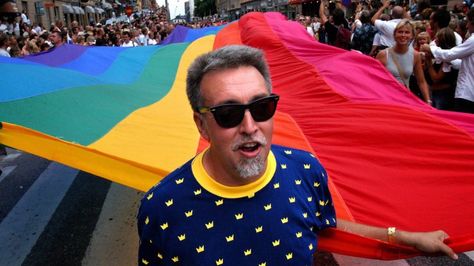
(55, 38)
(239, 152)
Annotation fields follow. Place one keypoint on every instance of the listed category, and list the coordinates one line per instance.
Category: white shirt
(4, 52)
(465, 51)
(386, 29)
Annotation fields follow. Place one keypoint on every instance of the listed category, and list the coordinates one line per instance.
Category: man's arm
(446, 55)
(322, 15)
(430, 242)
(379, 12)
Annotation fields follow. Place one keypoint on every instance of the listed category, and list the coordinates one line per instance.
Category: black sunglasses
(231, 115)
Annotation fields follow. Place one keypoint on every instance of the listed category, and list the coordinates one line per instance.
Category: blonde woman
(402, 59)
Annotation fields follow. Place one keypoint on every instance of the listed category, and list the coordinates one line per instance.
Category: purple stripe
(63, 55)
(178, 35)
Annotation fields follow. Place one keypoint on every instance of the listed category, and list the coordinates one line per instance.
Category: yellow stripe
(163, 134)
(124, 172)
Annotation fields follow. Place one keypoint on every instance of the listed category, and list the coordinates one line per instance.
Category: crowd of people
(18, 37)
(404, 39)
(399, 36)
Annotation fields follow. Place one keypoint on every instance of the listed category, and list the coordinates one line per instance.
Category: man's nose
(248, 124)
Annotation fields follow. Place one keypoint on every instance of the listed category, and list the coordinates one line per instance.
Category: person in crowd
(439, 19)
(127, 40)
(386, 28)
(235, 199)
(442, 74)
(402, 59)
(338, 32)
(57, 38)
(363, 37)
(464, 95)
(4, 45)
(421, 38)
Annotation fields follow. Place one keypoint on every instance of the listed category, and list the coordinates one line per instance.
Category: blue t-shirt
(189, 219)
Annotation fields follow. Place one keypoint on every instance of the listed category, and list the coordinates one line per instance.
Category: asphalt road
(51, 214)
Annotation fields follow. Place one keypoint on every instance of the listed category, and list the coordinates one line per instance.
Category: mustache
(260, 139)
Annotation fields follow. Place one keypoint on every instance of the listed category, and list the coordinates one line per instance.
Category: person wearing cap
(243, 200)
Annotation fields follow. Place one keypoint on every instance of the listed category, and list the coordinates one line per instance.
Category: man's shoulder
(288, 154)
(177, 177)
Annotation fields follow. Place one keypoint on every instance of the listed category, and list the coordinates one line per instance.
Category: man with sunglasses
(243, 200)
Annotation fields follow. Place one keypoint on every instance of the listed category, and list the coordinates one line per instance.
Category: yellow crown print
(268, 207)
(164, 226)
(289, 256)
(200, 249)
(259, 229)
(298, 181)
(305, 214)
(316, 184)
(248, 252)
(284, 220)
(179, 181)
(219, 202)
(229, 238)
(262, 264)
(327, 221)
(321, 202)
(276, 185)
(292, 199)
(283, 166)
(239, 216)
(169, 202)
(299, 234)
(182, 237)
(219, 261)
(175, 259)
(287, 151)
(189, 213)
(310, 199)
(159, 255)
(197, 192)
(307, 166)
(149, 196)
(144, 261)
(210, 225)
(310, 247)
(147, 220)
(318, 214)
(276, 243)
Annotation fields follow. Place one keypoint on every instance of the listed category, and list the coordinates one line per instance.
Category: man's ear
(201, 125)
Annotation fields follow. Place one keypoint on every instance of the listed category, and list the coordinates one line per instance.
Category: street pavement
(51, 214)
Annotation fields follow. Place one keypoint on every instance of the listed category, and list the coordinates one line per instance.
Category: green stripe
(84, 114)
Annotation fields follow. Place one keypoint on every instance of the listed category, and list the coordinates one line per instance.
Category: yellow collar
(218, 189)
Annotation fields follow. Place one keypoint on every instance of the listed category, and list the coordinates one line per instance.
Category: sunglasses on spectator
(231, 115)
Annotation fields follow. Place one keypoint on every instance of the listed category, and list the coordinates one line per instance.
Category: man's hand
(430, 242)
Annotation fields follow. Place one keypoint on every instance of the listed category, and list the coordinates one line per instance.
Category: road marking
(343, 260)
(21, 228)
(470, 254)
(116, 224)
(6, 171)
(11, 157)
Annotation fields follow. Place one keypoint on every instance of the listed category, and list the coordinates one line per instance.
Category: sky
(176, 7)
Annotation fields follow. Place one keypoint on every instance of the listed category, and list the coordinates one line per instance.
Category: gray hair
(228, 57)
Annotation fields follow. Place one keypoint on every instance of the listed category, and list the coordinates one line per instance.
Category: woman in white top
(402, 60)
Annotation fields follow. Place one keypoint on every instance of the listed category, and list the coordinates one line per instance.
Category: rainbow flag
(122, 114)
